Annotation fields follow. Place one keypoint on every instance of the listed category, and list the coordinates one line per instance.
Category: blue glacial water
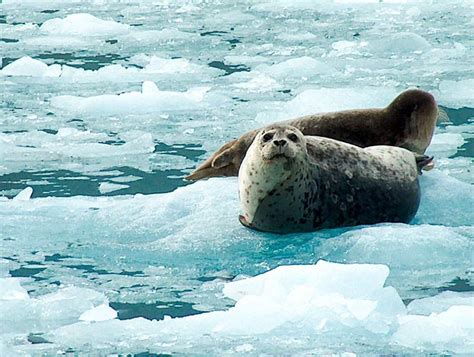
(106, 106)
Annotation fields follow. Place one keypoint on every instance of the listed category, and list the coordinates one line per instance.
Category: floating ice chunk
(164, 35)
(440, 302)
(10, 289)
(445, 144)
(107, 187)
(428, 246)
(430, 262)
(342, 48)
(176, 65)
(445, 200)
(258, 84)
(24, 194)
(244, 59)
(83, 25)
(458, 167)
(99, 313)
(326, 278)
(27, 66)
(401, 43)
(149, 100)
(300, 36)
(456, 94)
(47, 311)
(129, 178)
(321, 299)
(451, 330)
(55, 41)
(297, 68)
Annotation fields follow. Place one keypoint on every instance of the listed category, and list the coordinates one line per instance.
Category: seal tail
(424, 162)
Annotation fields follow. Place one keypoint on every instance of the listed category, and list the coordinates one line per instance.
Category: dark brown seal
(408, 122)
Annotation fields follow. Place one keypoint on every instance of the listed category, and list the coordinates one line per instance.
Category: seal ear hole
(267, 137)
(293, 137)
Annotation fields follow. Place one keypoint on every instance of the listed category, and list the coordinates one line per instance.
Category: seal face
(289, 182)
(408, 122)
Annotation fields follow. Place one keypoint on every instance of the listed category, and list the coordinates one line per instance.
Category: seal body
(321, 183)
(407, 122)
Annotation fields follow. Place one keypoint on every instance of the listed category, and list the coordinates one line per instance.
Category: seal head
(276, 155)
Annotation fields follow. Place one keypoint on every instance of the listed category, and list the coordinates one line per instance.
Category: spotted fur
(325, 183)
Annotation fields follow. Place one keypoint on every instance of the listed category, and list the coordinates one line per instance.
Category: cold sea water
(105, 249)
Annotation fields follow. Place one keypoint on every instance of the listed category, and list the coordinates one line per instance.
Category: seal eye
(293, 137)
(267, 137)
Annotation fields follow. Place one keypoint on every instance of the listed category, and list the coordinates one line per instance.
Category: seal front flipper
(244, 222)
(424, 162)
(225, 161)
(207, 168)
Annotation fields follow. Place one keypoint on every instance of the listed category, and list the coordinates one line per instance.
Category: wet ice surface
(123, 100)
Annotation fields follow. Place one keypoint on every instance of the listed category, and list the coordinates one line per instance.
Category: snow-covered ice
(83, 24)
(150, 99)
(106, 106)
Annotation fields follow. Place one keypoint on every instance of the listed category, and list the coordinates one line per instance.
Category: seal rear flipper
(443, 116)
(424, 162)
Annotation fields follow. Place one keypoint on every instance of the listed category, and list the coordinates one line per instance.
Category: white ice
(83, 24)
(317, 306)
(297, 67)
(440, 302)
(451, 330)
(153, 65)
(21, 313)
(149, 99)
(27, 66)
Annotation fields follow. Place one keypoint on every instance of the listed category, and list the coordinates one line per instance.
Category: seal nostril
(279, 142)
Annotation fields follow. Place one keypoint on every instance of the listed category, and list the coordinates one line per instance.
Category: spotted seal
(408, 122)
(289, 182)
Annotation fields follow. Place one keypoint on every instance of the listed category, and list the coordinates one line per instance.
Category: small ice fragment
(129, 178)
(246, 347)
(297, 68)
(99, 313)
(24, 195)
(400, 43)
(445, 144)
(451, 330)
(440, 302)
(10, 289)
(149, 87)
(107, 187)
(25, 66)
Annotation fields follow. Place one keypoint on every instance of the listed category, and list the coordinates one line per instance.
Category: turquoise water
(110, 214)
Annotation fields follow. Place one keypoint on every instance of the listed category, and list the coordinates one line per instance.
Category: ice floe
(83, 24)
(297, 67)
(152, 65)
(457, 94)
(320, 307)
(451, 330)
(27, 66)
(150, 99)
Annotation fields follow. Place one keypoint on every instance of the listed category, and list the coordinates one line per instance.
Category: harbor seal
(408, 122)
(289, 182)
